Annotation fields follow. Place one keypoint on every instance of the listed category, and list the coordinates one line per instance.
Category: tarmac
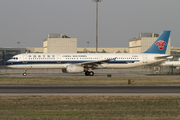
(141, 71)
(90, 90)
(75, 90)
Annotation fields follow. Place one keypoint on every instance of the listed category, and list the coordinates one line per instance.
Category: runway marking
(90, 94)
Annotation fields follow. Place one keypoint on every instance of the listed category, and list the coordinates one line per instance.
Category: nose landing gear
(24, 74)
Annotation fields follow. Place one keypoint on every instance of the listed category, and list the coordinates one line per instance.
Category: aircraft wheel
(87, 73)
(24, 74)
(91, 73)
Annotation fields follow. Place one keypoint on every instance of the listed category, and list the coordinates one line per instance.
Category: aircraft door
(100, 58)
(25, 61)
(58, 58)
(145, 58)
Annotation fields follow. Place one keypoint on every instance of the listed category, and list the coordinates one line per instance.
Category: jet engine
(73, 69)
(178, 68)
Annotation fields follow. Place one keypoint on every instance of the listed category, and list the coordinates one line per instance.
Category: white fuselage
(171, 63)
(55, 60)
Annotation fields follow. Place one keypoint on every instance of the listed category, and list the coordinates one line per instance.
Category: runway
(89, 89)
(82, 75)
(71, 75)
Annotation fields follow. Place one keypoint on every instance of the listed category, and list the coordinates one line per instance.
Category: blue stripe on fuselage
(63, 62)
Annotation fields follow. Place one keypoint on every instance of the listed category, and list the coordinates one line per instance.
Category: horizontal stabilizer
(164, 57)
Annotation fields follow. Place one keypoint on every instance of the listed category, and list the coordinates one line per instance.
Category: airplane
(86, 62)
(175, 64)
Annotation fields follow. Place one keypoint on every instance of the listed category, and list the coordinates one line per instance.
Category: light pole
(97, 23)
(88, 44)
(18, 43)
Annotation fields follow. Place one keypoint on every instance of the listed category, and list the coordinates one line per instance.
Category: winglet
(160, 45)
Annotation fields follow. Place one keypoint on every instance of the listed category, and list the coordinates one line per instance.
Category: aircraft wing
(93, 63)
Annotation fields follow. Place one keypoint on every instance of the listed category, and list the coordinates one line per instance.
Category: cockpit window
(14, 58)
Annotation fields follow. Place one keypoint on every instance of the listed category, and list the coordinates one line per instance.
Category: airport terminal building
(58, 43)
(103, 49)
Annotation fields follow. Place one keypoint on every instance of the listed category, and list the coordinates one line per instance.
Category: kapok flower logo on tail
(161, 44)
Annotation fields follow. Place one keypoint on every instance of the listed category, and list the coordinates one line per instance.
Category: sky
(30, 21)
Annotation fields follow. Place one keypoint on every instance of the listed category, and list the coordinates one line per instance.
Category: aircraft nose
(7, 63)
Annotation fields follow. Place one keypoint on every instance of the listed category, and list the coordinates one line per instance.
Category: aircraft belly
(37, 66)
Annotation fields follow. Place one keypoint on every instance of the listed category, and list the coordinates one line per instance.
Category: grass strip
(89, 81)
(90, 107)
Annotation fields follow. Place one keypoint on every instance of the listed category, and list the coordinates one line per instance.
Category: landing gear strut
(24, 74)
(89, 73)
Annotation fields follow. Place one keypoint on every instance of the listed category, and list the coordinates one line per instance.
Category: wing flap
(94, 63)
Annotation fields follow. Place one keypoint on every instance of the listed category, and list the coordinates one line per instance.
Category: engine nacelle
(73, 69)
(178, 68)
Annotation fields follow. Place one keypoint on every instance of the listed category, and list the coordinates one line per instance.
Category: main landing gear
(24, 74)
(89, 73)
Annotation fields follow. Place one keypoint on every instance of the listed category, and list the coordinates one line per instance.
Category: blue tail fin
(160, 45)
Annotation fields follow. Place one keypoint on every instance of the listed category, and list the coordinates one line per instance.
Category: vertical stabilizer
(160, 45)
